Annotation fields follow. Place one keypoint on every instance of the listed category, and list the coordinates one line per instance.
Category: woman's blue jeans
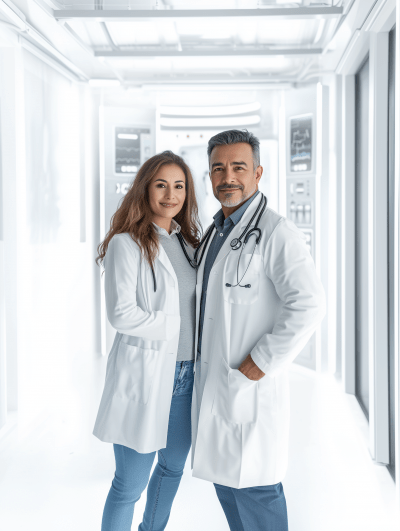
(133, 469)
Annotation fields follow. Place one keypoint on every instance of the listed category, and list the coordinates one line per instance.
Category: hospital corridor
(266, 135)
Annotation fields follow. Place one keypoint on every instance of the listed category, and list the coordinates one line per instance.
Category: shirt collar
(235, 217)
(174, 226)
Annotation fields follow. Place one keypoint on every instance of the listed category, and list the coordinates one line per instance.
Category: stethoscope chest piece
(236, 244)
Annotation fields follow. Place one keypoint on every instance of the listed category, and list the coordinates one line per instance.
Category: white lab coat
(240, 428)
(134, 408)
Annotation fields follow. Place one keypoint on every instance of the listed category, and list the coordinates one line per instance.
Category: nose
(230, 176)
(169, 193)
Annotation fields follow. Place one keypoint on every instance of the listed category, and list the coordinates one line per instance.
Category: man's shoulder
(274, 224)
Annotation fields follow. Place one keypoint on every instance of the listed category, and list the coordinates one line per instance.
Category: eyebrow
(231, 164)
(164, 181)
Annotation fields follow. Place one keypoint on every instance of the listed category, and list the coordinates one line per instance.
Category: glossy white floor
(54, 481)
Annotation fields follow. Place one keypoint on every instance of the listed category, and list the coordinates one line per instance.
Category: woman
(150, 301)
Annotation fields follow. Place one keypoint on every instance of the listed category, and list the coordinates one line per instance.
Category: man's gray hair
(234, 136)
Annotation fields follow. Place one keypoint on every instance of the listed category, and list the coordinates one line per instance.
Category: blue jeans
(254, 508)
(133, 469)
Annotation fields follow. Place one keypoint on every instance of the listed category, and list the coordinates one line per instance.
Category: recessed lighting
(221, 110)
(104, 83)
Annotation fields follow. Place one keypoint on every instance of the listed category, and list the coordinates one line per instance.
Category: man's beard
(227, 202)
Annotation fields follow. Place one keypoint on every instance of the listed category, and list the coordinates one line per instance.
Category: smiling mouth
(167, 205)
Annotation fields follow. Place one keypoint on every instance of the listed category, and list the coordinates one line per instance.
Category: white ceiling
(161, 41)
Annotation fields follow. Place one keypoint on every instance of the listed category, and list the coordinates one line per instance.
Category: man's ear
(259, 172)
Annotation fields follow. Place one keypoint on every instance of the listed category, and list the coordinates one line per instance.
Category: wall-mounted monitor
(129, 146)
(301, 143)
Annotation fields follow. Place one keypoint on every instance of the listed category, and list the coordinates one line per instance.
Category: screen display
(128, 148)
(301, 143)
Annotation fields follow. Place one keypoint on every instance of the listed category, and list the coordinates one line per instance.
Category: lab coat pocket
(236, 397)
(248, 276)
(134, 371)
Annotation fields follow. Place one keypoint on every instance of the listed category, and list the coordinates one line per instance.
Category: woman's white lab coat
(134, 409)
(240, 428)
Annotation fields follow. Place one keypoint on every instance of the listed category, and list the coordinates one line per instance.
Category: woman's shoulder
(124, 243)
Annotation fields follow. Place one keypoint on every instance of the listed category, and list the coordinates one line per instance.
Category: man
(257, 306)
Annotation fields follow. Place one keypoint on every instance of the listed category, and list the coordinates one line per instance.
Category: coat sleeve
(290, 267)
(121, 272)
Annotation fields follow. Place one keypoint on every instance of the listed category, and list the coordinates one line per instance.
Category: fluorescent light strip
(127, 136)
(210, 122)
(104, 83)
(225, 110)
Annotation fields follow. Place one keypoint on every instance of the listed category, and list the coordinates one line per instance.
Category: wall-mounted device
(132, 148)
(301, 197)
(301, 143)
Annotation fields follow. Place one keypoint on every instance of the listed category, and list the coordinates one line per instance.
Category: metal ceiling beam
(208, 52)
(125, 14)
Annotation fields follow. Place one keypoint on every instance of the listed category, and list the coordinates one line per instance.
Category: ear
(258, 173)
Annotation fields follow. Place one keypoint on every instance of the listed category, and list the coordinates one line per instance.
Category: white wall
(50, 233)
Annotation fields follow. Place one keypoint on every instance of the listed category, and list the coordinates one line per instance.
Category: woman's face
(167, 192)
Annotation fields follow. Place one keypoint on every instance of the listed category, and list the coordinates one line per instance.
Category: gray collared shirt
(224, 228)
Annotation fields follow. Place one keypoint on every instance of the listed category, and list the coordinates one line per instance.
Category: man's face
(232, 174)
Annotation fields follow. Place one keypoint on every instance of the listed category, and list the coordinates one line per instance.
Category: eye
(179, 186)
(160, 185)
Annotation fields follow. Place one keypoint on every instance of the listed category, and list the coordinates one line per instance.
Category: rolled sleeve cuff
(259, 360)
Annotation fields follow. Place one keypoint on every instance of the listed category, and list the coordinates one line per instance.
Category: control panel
(300, 207)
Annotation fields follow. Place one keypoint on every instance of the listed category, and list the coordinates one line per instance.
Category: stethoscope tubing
(235, 244)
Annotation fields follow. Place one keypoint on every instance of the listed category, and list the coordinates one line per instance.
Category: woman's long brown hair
(134, 215)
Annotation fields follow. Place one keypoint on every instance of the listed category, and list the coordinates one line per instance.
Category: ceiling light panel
(205, 31)
(202, 65)
(206, 68)
(290, 32)
(220, 121)
(134, 33)
(207, 28)
(156, 4)
(92, 31)
(221, 110)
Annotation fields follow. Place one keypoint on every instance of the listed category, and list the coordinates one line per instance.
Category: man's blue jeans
(133, 469)
(254, 508)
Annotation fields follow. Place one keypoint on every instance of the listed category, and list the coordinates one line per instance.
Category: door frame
(371, 38)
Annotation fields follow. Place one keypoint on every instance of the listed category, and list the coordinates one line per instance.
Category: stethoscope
(236, 243)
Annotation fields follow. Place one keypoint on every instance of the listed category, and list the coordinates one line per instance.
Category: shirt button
(221, 234)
